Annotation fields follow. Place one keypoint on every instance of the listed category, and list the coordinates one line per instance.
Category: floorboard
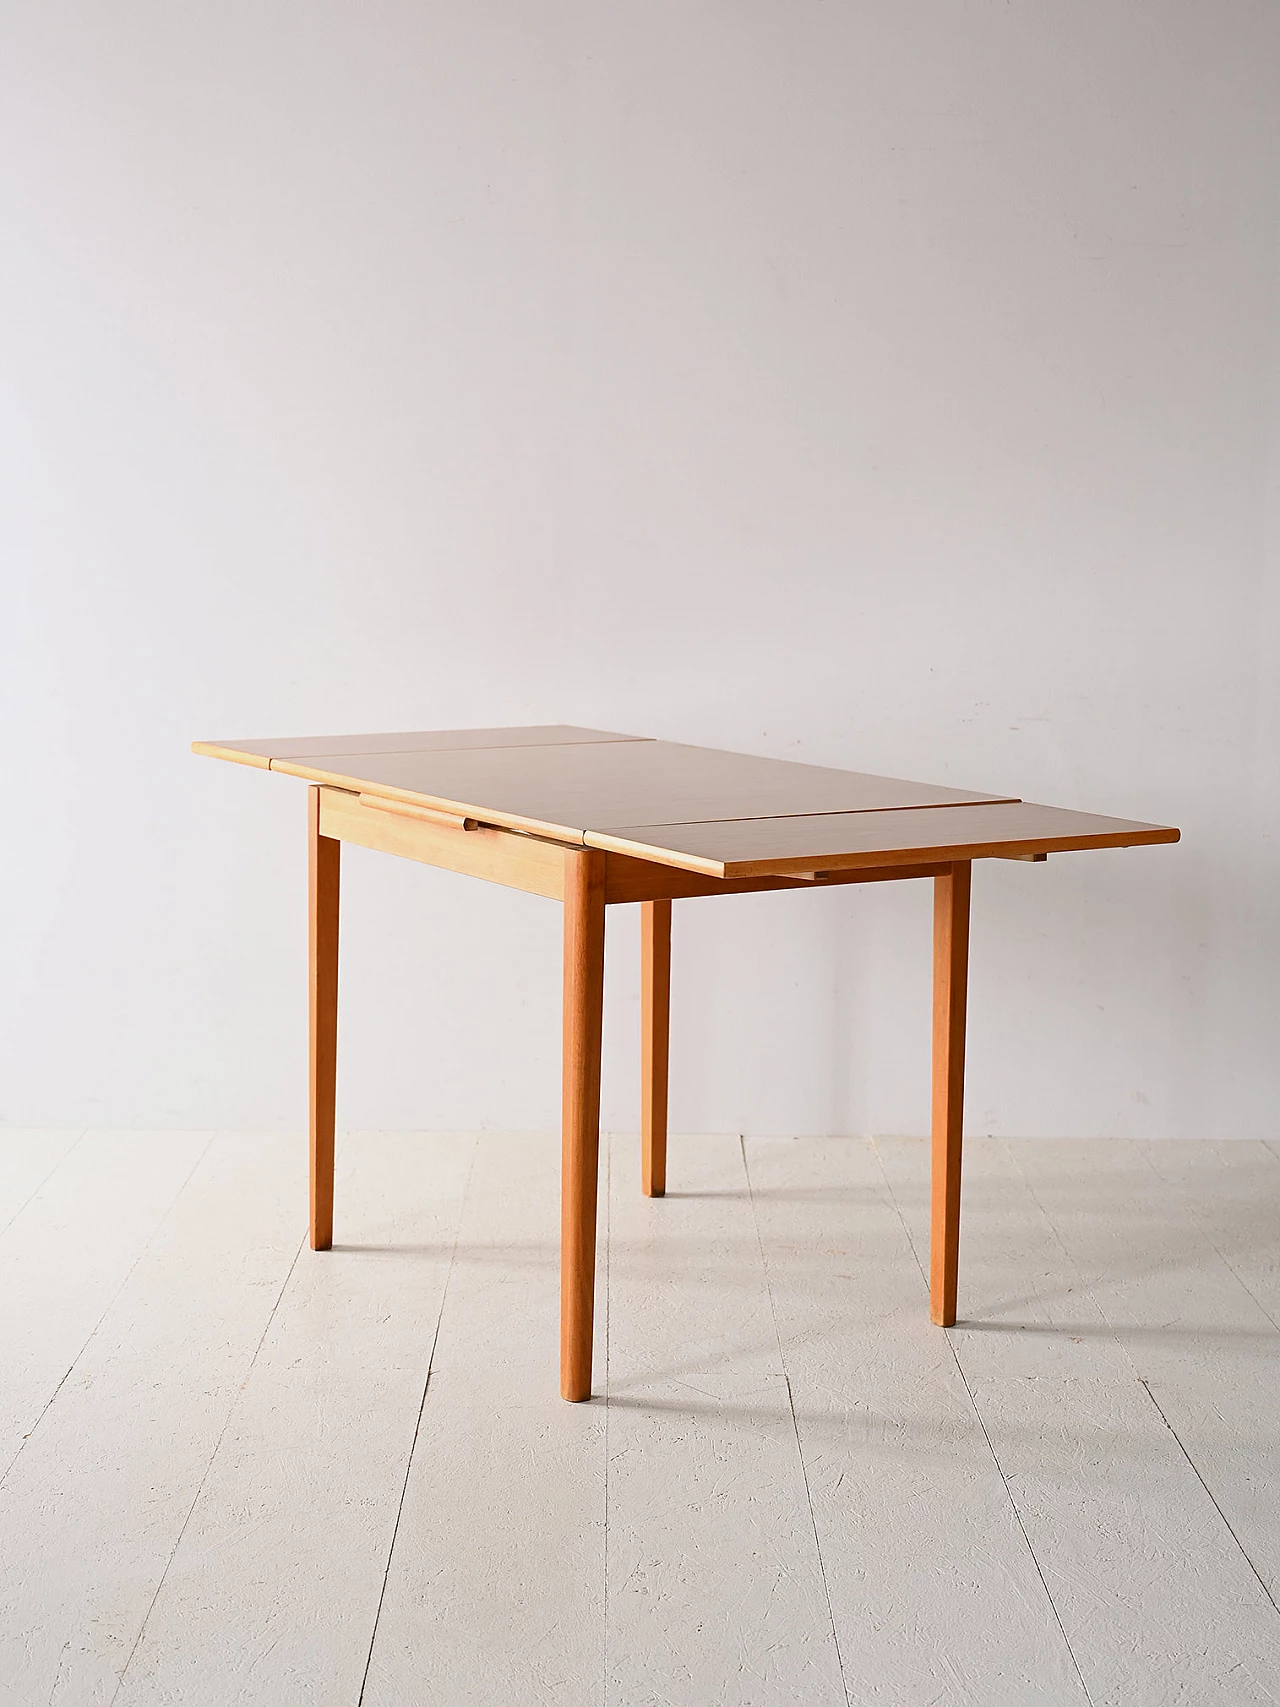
(95, 1503)
(935, 1592)
(1205, 1353)
(716, 1591)
(496, 1586)
(1154, 1596)
(1231, 1193)
(273, 1589)
(67, 1252)
(27, 1158)
(230, 1480)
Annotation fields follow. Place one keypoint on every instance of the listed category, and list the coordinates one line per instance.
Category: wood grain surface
(950, 1002)
(498, 856)
(324, 869)
(580, 1116)
(655, 1042)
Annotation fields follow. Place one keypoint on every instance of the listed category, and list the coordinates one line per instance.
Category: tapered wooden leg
(323, 868)
(580, 1124)
(655, 1038)
(950, 984)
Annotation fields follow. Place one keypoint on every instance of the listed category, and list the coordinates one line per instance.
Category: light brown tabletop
(278, 751)
(722, 814)
(757, 847)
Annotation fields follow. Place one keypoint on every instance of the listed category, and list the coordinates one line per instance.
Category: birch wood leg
(655, 1036)
(584, 882)
(323, 868)
(950, 984)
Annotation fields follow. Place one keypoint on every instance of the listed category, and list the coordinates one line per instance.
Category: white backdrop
(890, 385)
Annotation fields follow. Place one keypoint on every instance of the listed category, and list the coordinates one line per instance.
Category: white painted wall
(884, 385)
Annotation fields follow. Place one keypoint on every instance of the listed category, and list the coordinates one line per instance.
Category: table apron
(498, 856)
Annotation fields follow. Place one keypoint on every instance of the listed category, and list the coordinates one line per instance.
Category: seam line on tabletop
(825, 812)
(37, 1189)
(1013, 1504)
(106, 1309)
(417, 1427)
(795, 1426)
(195, 1500)
(411, 752)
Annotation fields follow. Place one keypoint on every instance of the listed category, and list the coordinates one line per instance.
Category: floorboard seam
(1086, 1285)
(417, 1427)
(1145, 1385)
(106, 1309)
(44, 1182)
(1212, 1243)
(1013, 1504)
(195, 1500)
(795, 1426)
(1118, 1335)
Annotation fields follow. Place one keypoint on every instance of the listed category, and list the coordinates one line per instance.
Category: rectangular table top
(721, 814)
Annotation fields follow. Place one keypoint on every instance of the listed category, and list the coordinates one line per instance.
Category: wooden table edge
(211, 750)
(940, 853)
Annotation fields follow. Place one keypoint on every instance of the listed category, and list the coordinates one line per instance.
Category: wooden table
(594, 820)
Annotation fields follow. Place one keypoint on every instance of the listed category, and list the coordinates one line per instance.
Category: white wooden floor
(226, 1477)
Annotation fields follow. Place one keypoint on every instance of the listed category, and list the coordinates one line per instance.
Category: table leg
(655, 1037)
(950, 982)
(580, 1128)
(323, 867)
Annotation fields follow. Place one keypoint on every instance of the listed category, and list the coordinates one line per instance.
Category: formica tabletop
(721, 814)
